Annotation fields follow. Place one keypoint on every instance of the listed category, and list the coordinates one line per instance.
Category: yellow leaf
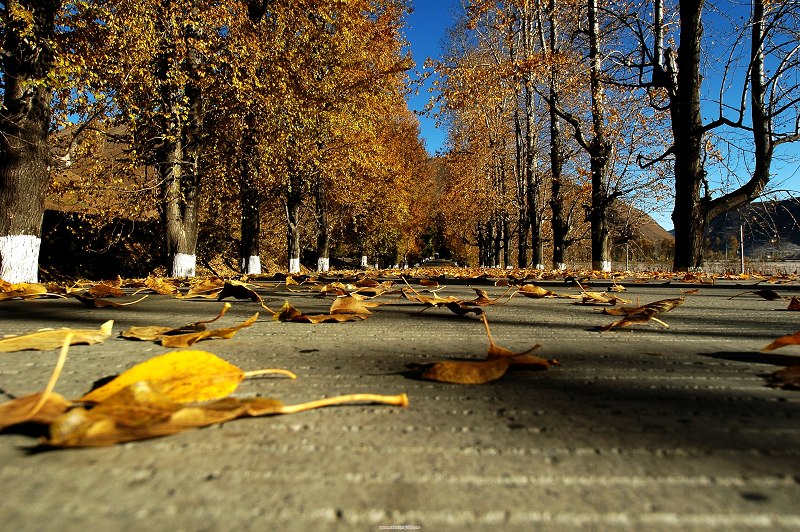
(183, 376)
(53, 339)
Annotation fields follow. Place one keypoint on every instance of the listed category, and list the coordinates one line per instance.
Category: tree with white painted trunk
(27, 31)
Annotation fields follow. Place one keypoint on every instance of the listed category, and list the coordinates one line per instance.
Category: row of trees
(226, 112)
(556, 110)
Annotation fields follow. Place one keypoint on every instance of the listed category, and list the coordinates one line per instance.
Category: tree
(28, 58)
(768, 76)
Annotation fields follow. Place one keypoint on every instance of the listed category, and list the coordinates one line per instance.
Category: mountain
(771, 229)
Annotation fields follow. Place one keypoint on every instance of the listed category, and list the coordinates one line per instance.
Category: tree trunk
(323, 234)
(600, 151)
(294, 199)
(689, 215)
(523, 225)
(251, 212)
(180, 155)
(25, 116)
(558, 221)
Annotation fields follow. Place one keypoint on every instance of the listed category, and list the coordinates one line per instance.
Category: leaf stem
(257, 372)
(51, 384)
(396, 400)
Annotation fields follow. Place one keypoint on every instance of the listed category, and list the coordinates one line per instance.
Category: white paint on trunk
(364, 260)
(561, 266)
(539, 266)
(323, 264)
(252, 265)
(294, 265)
(19, 258)
(605, 266)
(184, 265)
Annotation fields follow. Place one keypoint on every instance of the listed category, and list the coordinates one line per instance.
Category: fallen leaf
(464, 372)
(54, 338)
(642, 314)
(183, 376)
(94, 302)
(21, 291)
(766, 294)
(288, 313)
(783, 341)
(534, 291)
(161, 286)
(352, 305)
(101, 290)
(238, 290)
(21, 410)
(794, 303)
(187, 335)
(206, 289)
(787, 378)
(141, 411)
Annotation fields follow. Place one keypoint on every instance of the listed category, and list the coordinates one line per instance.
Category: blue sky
(425, 28)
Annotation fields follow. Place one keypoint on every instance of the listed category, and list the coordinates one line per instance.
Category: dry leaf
(643, 314)
(187, 335)
(161, 286)
(351, 305)
(291, 314)
(93, 302)
(54, 338)
(794, 303)
(238, 290)
(464, 372)
(21, 290)
(787, 378)
(783, 341)
(142, 411)
(206, 289)
(534, 291)
(21, 410)
(105, 290)
(183, 376)
(766, 294)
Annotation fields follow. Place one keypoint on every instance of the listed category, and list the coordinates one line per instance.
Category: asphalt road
(645, 428)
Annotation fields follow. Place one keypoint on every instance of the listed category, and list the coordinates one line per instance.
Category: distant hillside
(771, 229)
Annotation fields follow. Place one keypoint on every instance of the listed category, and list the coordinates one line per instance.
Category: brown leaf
(766, 294)
(643, 314)
(783, 341)
(238, 290)
(351, 305)
(21, 290)
(105, 290)
(787, 378)
(291, 314)
(53, 339)
(627, 321)
(794, 303)
(464, 372)
(93, 302)
(141, 411)
(187, 335)
(534, 291)
(183, 376)
(21, 410)
(656, 307)
(206, 289)
(161, 286)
